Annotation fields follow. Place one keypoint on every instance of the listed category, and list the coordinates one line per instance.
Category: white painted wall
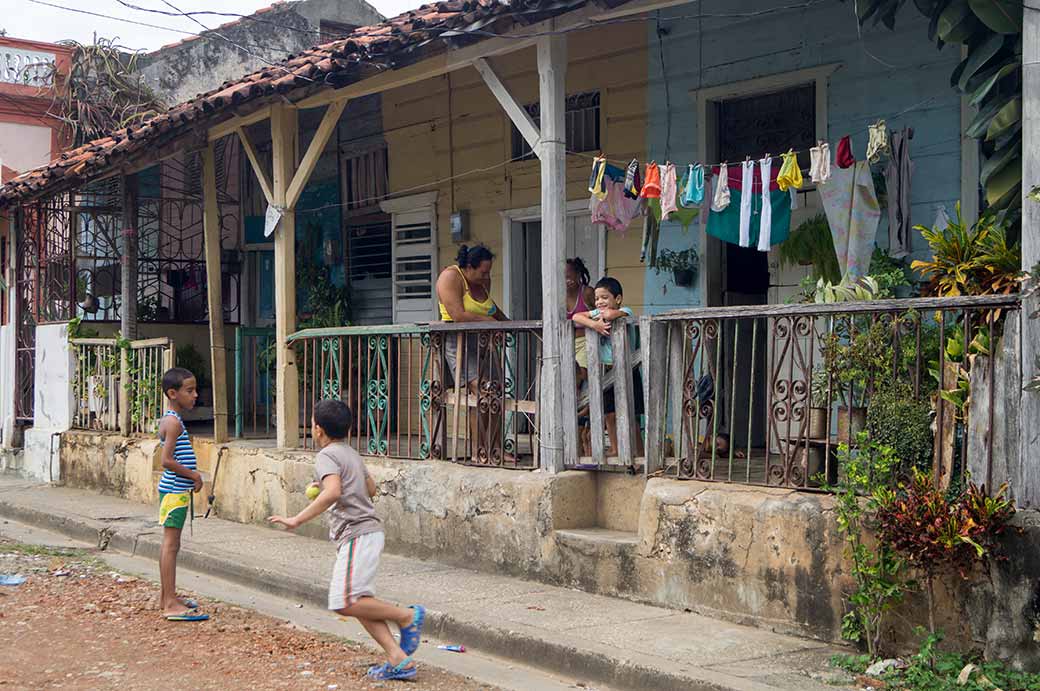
(6, 385)
(24, 147)
(54, 404)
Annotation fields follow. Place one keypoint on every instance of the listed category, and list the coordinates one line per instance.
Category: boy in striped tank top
(179, 479)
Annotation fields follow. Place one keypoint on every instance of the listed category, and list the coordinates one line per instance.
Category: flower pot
(683, 277)
(847, 432)
(817, 423)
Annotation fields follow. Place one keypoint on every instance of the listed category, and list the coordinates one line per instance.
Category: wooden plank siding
(424, 147)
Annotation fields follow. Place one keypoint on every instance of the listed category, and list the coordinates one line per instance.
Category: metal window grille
(582, 125)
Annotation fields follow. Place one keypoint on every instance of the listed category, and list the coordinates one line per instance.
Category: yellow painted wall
(451, 125)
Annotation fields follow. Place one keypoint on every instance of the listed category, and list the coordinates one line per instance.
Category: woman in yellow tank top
(464, 295)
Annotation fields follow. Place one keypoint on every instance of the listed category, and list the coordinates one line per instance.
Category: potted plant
(683, 265)
(857, 360)
(811, 243)
(897, 419)
(819, 400)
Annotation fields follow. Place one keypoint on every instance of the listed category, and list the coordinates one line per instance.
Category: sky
(44, 22)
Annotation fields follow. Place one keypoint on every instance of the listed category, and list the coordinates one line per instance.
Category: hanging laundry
(851, 204)
(843, 157)
(897, 179)
(820, 163)
(632, 181)
(651, 182)
(725, 224)
(669, 191)
(765, 220)
(790, 174)
(693, 190)
(651, 234)
(614, 174)
(616, 211)
(877, 141)
(942, 219)
(747, 170)
(596, 185)
(720, 200)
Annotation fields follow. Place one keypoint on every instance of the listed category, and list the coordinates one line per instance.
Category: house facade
(313, 205)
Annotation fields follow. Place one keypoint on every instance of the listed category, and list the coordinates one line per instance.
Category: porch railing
(765, 394)
(484, 392)
(117, 386)
(382, 372)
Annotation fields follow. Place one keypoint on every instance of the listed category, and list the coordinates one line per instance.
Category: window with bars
(582, 125)
(366, 179)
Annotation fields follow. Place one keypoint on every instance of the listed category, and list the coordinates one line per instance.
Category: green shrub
(897, 420)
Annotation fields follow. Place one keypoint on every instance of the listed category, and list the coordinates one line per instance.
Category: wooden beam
(314, 151)
(254, 161)
(1027, 494)
(552, 72)
(523, 121)
(230, 125)
(214, 296)
(287, 387)
(128, 295)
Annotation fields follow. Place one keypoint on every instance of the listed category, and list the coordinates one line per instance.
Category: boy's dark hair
(584, 277)
(334, 417)
(174, 378)
(472, 257)
(612, 285)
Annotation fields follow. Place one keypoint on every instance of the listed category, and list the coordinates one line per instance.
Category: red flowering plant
(935, 531)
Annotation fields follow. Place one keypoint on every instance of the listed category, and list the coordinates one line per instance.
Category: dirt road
(75, 624)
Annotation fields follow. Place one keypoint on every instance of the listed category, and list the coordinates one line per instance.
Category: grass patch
(41, 550)
(937, 671)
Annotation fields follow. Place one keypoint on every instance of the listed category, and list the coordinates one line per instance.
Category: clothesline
(708, 166)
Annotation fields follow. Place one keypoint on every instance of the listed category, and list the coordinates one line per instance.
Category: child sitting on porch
(609, 297)
(347, 490)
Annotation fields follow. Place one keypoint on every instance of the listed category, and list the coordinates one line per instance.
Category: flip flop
(386, 672)
(193, 615)
(411, 635)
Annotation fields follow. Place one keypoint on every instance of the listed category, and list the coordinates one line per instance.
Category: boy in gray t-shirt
(347, 489)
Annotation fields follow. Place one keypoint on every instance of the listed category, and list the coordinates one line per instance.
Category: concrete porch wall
(770, 557)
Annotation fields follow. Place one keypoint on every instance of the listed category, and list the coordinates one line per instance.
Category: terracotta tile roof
(395, 42)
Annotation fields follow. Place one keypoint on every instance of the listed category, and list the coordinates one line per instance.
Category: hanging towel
(725, 224)
(843, 157)
(669, 191)
(632, 181)
(877, 141)
(820, 163)
(942, 219)
(651, 183)
(851, 205)
(897, 178)
(693, 190)
(765, 221)
(651, 232)
(596, 185)
(721, 198)
(790, 175)
(747, 169)
(617, 210)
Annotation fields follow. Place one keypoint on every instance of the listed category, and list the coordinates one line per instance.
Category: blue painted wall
(708, 51)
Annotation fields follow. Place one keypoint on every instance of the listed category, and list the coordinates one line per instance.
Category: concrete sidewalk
(606, 640)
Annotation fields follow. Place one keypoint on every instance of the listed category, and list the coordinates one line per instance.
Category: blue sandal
(411, 635)
(386, 672)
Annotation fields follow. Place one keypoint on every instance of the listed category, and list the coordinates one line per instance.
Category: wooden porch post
(1027, 494)
(552, 70)
(128, 289)
(287, 389)
(214, 293)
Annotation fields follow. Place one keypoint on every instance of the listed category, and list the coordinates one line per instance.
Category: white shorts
(355, 570)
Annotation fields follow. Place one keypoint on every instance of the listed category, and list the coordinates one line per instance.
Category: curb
(502, 642)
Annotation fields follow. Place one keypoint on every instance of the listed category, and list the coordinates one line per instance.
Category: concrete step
(598, 539)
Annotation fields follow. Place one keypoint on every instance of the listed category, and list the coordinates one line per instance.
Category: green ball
(313, 492)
